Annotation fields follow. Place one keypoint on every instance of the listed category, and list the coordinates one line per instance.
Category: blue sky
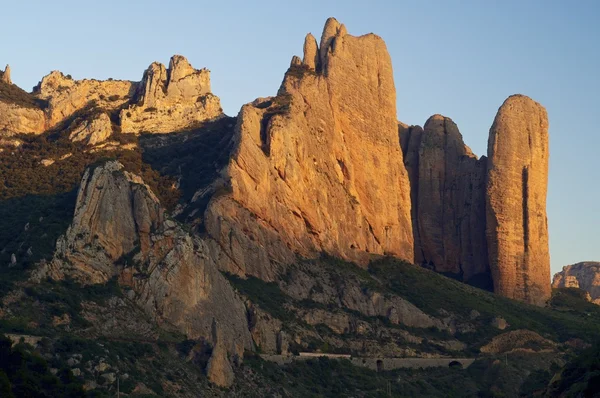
(459, 58)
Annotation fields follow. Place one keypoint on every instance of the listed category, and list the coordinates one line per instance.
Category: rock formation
(584, 275)
(448, 204)
(517, 228)
(93, 131)
(19, 113)
(18, 119)
(120, 230)
(5, 76)
(318, 168)
(65, 96)
(218, 369)
(169, 100)
(166, 100)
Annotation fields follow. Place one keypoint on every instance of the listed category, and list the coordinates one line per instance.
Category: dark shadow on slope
(194, 158)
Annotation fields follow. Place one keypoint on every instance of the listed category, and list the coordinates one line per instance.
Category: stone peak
(5, 76)
(315, 55)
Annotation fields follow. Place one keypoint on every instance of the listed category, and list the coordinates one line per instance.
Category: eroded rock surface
(66, 96)
(17, 119)
(584, 275)
(219, 370)
(517, 228)
(5, 76)
(93, 131)
(173, 99)
(319, 166)
(120, 230)
(448, 203)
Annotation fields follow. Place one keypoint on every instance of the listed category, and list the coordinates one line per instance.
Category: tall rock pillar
(516, 222)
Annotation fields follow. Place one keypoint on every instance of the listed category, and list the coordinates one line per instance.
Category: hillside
(312, 245)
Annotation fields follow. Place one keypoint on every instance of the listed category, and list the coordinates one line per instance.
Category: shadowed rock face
(448, 186)
(319, 167)
(584, 275)
(120, 230)
(517, 228)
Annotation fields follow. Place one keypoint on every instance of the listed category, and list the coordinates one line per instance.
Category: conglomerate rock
(319, 166)
(584, 275)
(517, 180)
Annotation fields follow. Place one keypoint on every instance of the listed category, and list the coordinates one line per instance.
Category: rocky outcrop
(173, 99)
(5, 76)
(318, 168)
(448, 203)
(218, 369)
(120, 230)
(19, 111)
(584, 275)
(18, 119)
(65, 96)
(93, 131)
(517, 228)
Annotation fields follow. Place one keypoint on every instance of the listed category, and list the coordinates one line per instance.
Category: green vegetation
(36, 309)
(37, 202)
(299, 71)
(23, 373)
(266, 294)
(580, 377)
(430, 292)
(21, 172)
(13, 94)
(323, 377)
(29, 227)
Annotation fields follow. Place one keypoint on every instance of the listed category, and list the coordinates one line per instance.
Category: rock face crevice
(517, 228)
(320, 163)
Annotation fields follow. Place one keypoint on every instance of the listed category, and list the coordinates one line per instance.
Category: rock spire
(517, 181)
(5, 76)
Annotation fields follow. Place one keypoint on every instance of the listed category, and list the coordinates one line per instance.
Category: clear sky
(459, 58)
